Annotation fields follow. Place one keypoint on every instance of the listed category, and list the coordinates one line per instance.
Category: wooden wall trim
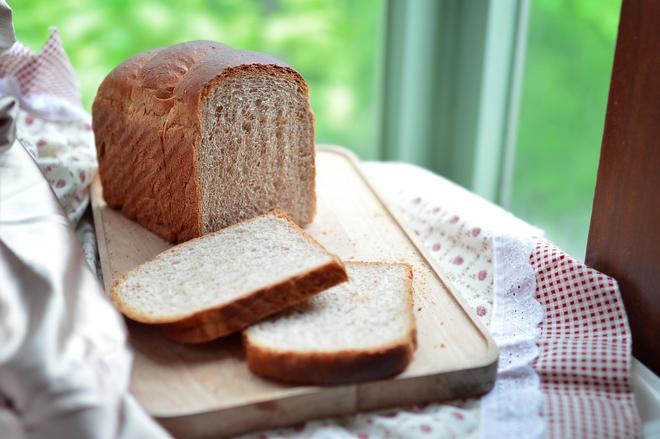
(624, 237)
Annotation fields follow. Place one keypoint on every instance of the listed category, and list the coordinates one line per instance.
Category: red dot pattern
(585, 345)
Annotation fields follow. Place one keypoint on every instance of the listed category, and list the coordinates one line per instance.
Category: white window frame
(451, 88)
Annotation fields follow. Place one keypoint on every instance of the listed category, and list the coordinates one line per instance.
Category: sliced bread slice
(360, 330)
(222, 282)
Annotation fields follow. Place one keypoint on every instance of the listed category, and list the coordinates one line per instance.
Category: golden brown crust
(146, 121)
(340, 367)
(222, 320)
(326, 368)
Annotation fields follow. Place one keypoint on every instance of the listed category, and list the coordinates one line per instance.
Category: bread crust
(343, 367)
(330, 368)
(215, 322)
(147, 122)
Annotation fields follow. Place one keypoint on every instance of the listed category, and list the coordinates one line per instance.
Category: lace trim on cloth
(513, 407)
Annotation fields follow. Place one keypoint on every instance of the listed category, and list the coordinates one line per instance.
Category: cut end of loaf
(198, 136)
(256, 152)
(357, 331)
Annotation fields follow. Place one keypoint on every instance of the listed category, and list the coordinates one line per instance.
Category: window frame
(451, 88)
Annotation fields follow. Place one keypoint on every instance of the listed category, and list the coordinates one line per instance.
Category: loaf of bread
(198, 136)
(221, 282)
(363, 329)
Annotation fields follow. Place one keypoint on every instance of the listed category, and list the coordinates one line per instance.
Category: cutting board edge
(488, 365)
(353, 398)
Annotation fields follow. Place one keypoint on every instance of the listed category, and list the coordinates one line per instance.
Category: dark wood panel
(624, 237)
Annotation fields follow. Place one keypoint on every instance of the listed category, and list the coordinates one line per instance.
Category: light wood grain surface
(207, 390)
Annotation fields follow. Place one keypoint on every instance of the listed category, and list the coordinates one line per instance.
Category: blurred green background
(570, 49)
(337, 44)
(334, 44)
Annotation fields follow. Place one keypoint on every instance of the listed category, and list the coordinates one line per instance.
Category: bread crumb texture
(370, 312)
(217, 269)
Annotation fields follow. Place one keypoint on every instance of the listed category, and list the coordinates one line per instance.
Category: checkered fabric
(585, 345)
(48, 72)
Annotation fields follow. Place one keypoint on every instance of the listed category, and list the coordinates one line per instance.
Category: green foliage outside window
(334, 44)
(570, 50)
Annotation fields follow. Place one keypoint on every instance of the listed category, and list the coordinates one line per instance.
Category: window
(570, 50)
(505, 97)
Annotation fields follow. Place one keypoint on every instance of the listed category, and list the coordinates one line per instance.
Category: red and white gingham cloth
(585, 350)
(47, 72)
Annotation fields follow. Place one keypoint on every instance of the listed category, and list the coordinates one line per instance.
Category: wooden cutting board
(207, 390)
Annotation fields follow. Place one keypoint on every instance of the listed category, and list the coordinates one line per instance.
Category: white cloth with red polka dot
(65, 153)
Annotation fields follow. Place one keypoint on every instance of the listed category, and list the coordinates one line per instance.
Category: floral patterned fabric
(65, 153)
